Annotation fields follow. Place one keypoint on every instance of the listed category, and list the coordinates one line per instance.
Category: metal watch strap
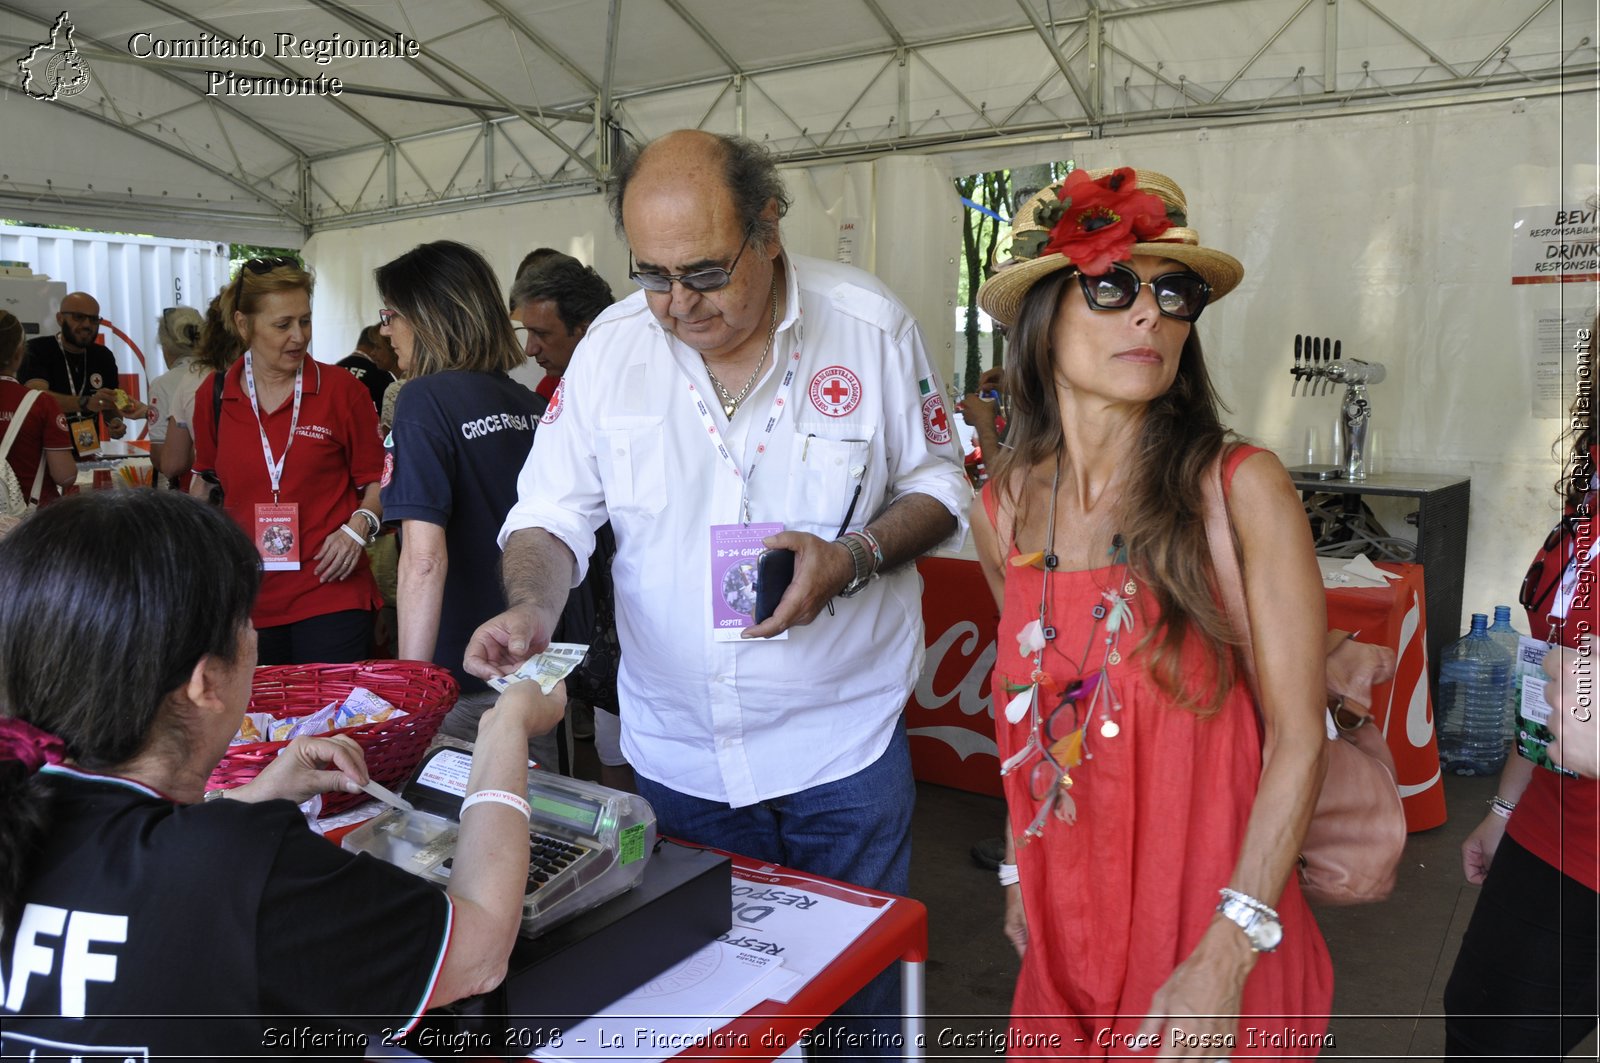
(862, 557)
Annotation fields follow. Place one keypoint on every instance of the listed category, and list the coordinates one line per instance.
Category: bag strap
(1225, 563)
(17, 418)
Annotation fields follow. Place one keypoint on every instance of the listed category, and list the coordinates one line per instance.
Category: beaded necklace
(1059, 739)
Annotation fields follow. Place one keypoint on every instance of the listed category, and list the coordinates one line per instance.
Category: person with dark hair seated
(137, 917)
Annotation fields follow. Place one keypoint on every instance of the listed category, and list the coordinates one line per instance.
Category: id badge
(278, 535)
(734, 551)
(86, 437)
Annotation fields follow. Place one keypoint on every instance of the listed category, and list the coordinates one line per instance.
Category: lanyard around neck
(274, 465)
(66, 363)
(774, 414)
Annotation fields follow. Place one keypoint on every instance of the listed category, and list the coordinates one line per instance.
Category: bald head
(79, 320)
(740, 170)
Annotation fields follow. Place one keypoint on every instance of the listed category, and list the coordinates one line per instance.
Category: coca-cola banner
(1395, 616)
(950, 716)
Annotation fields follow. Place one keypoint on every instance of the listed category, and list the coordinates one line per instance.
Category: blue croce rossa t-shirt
(459, 440)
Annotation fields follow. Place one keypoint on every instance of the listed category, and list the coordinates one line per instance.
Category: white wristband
(1008, 874)
(354, 535)
(1501, 807)
(498, 797)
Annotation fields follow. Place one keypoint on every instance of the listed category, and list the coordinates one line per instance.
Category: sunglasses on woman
(1181, 295)
(267, 265)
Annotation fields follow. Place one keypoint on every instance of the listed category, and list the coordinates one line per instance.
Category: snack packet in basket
(363, 706)
(547, 669)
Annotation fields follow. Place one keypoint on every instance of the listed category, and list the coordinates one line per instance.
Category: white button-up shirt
(623, 440)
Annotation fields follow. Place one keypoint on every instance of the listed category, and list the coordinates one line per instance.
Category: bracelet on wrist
(357, 536)
(1007, 874)
(498, 797)
(1247, 900)
(1501, 807)
(374, 525)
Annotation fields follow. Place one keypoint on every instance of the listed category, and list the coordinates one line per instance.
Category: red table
(950, 717)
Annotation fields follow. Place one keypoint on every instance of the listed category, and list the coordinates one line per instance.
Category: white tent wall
(903, 203)
(1390, 232)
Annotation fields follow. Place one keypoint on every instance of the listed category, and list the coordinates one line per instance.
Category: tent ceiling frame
(1078, 52)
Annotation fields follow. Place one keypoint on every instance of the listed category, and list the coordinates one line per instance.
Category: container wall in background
(133, 277)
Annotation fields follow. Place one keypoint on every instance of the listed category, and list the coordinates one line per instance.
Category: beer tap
(1324, 367)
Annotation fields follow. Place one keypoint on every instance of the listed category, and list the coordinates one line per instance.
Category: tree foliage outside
(1000, 192)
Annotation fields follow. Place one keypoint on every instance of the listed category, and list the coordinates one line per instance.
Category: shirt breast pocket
(824, 475)
(633, 465)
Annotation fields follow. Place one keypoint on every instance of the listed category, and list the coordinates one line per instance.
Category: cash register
(587, 843)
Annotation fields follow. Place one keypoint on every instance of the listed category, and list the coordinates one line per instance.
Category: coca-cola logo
(955, 669)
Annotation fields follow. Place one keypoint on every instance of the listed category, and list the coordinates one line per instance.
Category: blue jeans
(856, 830)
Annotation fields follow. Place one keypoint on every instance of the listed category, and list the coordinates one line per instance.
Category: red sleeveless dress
(1116, 900)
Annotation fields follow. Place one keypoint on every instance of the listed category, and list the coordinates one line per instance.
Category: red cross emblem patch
(388, 468)
(935, 423)
(836, 391)
(552, 411)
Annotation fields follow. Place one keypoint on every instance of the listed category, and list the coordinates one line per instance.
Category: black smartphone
(774, 572)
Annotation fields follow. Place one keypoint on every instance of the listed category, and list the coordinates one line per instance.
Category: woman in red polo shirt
(41, 451)
(1524, 983)
(298, 456)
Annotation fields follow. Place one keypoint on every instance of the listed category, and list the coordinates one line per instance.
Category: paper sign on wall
(1551, 245)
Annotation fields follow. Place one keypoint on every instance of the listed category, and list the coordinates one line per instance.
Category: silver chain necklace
(729, 401)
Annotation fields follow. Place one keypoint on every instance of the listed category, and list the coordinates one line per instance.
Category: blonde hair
(245, 292)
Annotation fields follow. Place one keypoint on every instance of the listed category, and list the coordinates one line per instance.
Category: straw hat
(1095, 218)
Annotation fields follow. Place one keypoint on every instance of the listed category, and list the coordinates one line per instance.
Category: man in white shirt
(745, 385)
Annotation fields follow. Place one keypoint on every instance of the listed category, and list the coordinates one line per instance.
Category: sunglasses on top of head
(1181, 294)
(267, 265)
(700, 280)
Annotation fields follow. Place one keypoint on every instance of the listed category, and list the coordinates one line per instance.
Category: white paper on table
(803, 921)
(1358, 571)
(680, 1007)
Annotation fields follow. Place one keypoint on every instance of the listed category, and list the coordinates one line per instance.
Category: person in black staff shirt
(461, 428)
(138, 920)
(80, 374)
(373, 363)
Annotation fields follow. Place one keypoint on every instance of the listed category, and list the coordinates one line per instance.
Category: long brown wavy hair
(1161, 512)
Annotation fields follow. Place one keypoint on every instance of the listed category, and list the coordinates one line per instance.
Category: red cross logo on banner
(836, 391)
(552, 411)
(935, 423)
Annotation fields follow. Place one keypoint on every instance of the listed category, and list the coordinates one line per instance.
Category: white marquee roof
(520, 99)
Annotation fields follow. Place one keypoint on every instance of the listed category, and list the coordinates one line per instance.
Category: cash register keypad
(549, 858)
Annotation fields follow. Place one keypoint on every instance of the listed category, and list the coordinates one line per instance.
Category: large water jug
(1473, 677)
(1506, 637)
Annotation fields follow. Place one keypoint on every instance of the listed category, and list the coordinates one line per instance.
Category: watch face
(1267, 934)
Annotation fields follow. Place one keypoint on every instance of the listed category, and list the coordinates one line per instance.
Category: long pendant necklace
(1059, 738)
(729, 401)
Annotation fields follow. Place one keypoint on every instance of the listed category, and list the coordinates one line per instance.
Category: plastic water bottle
(1473, 677)
(1506, 636)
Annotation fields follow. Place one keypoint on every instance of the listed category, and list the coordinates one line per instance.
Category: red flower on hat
(1102, 219)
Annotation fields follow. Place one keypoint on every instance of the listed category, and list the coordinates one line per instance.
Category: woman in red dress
(1154, 815)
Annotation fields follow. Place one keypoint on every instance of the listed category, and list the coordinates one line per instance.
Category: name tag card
(277, 535)
(734, 550)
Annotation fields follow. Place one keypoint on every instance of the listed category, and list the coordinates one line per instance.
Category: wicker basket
(393, 747)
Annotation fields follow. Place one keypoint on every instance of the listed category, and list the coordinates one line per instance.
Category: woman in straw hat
(1154, 817)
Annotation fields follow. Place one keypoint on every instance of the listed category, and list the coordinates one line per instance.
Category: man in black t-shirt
(374, 364)
(80, 374)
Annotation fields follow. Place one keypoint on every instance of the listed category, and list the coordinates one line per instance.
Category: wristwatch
(1259, 923)
(861, 555)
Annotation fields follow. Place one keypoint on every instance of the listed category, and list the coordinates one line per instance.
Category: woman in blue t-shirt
(462, 429)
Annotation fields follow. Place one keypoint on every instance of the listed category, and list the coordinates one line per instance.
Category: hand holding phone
(774, 572)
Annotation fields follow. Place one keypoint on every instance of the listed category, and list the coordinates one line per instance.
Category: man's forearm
(911, 527)
(537, 571)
